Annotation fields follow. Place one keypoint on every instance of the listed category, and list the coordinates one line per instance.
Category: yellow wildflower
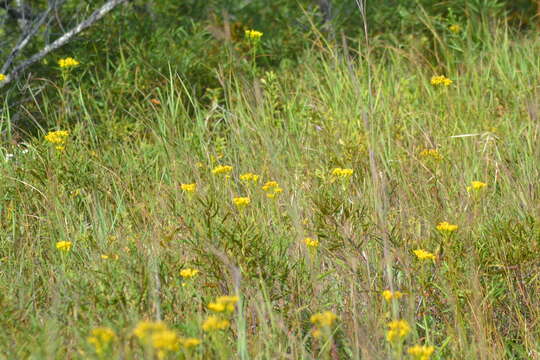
(397, 330)
(111, 257)
(222, 169)
(270, 185)
(421, 352)
(216, 306)
(57, 137)
(441, 80)
(253, 35)
(323, 319)
(342, 173)
(424, 255)
(101, 338)
(188, 273)
(213, 323)
(455, 28)
(389, 295)
(164, 341)
(249, 177)
(272, 189)
(68, 62)
(446, 227)
(189, 187)
(224, 303)
(2, 77)
(311, 243)
(431, 153)
(229, 300)
(241, 202)
(145, 329)
(476, 185)
(188, 343)
(64, 245)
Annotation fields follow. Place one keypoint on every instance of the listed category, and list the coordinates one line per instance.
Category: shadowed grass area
(115, 193)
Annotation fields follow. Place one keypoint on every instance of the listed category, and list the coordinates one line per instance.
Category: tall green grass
(116, 190)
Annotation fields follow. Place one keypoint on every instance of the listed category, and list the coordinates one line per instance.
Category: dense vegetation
(188, 190)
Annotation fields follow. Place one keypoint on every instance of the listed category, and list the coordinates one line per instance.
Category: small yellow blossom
(476, 185)
(253, 35)
(446, 227)
(431, 153)
(68, 62)
(274, 193)
(101, 338)
(342, 173)
(188, 343)
(2, 77)
(421, 352)
(64, 246)
(311, 243)
(188, 273)
(189, 187)
(213, 323)
(270, 185)
(323, 319)
(441, 80)
(111, 257)
(424, 255)
(146, 329)
(455, 28)
(222, 169)
(57, 137)
(224, 303)
(272, 189)
(165, 341)
(397, 330)
(249, 177)
(389, 295)
(216, 307)
(241, 202)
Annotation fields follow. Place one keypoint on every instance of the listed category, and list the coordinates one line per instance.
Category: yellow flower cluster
(58, 138)
(2, 77)
(224, 304)
(476, 185)
(253, 35)
(189, 188)
(68, 62)
(446, 227)
(397, 330)
(64, 246)
(222, 170)
(424, 255)
(101, 338)
(161, 338)
(213, 323)
(389, 295)
(342, 173)
(241, 202)
(249, 177)
(431, 153)
(311, 243)
(272, 189)
(188, 273)
(441, 80)
(421, 352)
(322, 321)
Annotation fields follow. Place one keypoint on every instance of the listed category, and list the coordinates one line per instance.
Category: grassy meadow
(281, 214)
